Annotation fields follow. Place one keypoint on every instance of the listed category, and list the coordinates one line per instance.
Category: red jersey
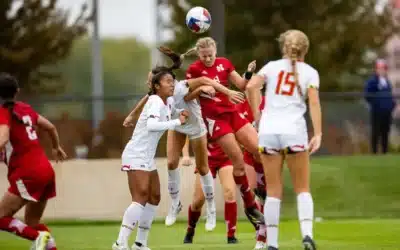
(220, 103)
(23, 149)
(245, 109)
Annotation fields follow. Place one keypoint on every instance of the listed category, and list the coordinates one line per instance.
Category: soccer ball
(198, 20)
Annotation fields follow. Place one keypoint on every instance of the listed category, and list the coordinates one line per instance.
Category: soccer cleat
(115, 246)
(211, 221)
(272, 248)
(139, 246)
(41, 241)
(255, 216)
(172, 214)
(232, 240)
(309, 244)
(189, 236)
(260, 245)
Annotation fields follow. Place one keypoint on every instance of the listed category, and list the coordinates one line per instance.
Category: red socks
(231, 217)
(247, 194)
(16, 226)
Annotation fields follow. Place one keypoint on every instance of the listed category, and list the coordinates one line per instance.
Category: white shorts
(129, 163)
(193, 132)
(275, 143)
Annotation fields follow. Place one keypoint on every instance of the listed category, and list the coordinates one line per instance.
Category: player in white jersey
(283, 131)
(197, 132)
(138, 160)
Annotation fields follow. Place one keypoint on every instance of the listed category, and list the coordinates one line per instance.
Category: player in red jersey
(219, 163)
(252, 162)
(225, 125)
(31, 176)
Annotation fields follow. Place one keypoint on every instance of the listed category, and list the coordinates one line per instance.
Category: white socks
(207, 184)
(174, 183)
(145, 222)
(131, 216)
(305, 211)
(272, 209)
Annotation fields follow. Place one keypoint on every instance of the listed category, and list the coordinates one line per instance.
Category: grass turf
(330, 235)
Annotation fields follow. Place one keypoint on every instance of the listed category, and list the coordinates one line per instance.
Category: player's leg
(186, 161)
(34, 210)
(229, 190)
(194, 211)
(299, 166)
(149, 212)
(272, 160)
(199, 146)
(9, 205)
(175, 143)
(138, 182)
(231, 147)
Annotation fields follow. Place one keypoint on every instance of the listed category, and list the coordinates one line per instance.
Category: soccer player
(138, 159)
(225, 125)
(218, 163)
(283, 130)
(31, 176)
(196, 130)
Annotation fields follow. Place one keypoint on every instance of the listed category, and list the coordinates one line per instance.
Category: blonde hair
(294, 45)
(202, 43)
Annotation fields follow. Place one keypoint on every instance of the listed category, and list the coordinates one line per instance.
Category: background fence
(345, 125)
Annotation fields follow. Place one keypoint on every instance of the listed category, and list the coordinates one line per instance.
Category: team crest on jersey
(204, 72)
(220, 68)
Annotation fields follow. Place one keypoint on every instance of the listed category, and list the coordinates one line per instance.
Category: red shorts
(37, 186)
(216, 165)
(226, 123)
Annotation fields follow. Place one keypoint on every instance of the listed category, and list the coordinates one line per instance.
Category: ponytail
(294, 55)
(10, 106)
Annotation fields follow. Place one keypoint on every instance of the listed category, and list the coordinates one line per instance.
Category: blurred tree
(36, 34)
(126, 63)
(340, 33)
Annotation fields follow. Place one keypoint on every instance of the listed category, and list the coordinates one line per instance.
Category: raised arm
(241, 82)
(254, 94)
(135, 113)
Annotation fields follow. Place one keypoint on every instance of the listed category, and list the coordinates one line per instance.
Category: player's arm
(4, 127)
(253, 88)
(315, 110)
(153, 117)
(4, 135)
(49, 127)
(135, 113)
(235, 78)
(205, 89)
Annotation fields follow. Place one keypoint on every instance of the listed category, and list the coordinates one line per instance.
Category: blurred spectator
(378, 93)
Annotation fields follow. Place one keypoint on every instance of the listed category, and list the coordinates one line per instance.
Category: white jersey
(154, 120)
(194, 127)
(284, 109)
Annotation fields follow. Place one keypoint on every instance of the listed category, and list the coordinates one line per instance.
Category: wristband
(248, 75)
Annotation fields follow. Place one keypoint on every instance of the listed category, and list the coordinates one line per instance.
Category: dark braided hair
(8, 90)
(160, 71)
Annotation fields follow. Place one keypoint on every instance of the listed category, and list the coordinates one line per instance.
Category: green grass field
(330, 235)
(357, 197)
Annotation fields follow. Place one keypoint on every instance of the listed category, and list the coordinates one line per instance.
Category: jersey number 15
(285, 79)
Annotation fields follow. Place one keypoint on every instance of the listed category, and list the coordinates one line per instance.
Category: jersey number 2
(285, 79)
(29, 127)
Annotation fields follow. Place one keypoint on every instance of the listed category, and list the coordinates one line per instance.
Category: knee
(198, 203)
(141, 196)
(155, 198)
(172, 164)
(229, 194)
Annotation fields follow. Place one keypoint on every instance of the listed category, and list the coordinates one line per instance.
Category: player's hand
(183, 116)
(128, 122)
(315, 143)
(252, 66)
(236, 96)
(59, 154)
(208, 90)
